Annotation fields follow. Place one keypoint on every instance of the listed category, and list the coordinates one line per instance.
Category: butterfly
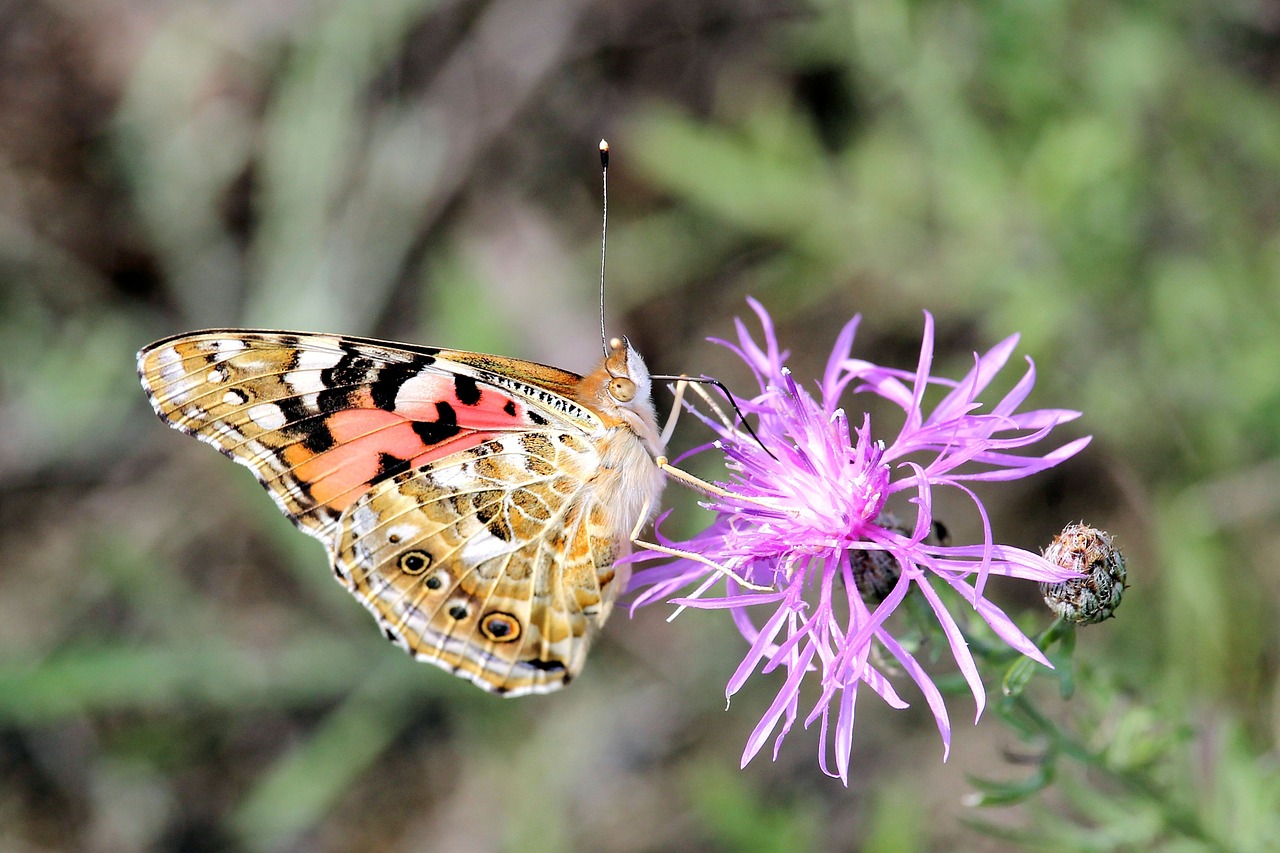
(477, 505)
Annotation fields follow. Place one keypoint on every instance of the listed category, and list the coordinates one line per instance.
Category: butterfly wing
(320, 418)
(416, 467)
(494, 563)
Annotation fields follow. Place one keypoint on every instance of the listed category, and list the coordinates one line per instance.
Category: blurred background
(178, 671)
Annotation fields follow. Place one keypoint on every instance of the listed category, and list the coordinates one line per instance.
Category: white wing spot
(423, 389)
(364, 521)
(483, 545)
(305, 377)
(267, 416)
(216, 376)
(454, 477)
(403, 534)
(304, 381)
(309, 359)
(170, 364)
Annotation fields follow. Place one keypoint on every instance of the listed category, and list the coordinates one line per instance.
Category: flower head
(1096, 593)
(803, 524)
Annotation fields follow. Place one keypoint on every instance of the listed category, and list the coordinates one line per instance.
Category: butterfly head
(621, 389)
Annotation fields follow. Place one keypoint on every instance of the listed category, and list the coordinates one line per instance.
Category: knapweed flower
(812, 559)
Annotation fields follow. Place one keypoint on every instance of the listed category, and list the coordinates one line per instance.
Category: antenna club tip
(604, 154)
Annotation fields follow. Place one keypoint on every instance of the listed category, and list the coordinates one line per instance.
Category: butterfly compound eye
(622, 389)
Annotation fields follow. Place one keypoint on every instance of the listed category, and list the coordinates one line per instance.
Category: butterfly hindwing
(491, 563)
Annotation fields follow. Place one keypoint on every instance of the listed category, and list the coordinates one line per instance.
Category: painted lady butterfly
(475, 504)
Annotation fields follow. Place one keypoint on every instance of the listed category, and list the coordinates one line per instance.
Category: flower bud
(1093, 553)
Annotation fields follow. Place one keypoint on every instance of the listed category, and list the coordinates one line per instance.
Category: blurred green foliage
(178, 672)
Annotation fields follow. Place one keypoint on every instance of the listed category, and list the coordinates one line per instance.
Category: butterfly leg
(676, 406)
(690, 480)
(689, 555)
(698, 484)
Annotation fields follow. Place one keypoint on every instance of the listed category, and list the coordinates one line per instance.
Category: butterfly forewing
(462, 497)
(319, 418)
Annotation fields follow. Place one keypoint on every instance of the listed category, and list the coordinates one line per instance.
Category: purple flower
(804, 522)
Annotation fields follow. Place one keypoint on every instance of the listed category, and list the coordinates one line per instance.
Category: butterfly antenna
(604, 232)
(733, 401)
